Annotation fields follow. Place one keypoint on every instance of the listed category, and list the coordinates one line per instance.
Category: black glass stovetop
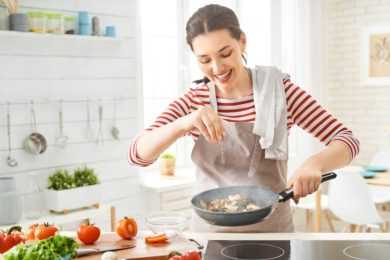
(298, 250)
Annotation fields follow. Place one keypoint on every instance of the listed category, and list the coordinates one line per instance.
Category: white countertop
(288, 236)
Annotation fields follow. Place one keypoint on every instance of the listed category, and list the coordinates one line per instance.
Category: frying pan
(264, 198)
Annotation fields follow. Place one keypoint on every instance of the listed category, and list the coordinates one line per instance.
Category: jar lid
(69, 18)
(36, 14)
(53, 15)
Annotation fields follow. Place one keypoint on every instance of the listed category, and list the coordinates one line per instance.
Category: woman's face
(219, 57)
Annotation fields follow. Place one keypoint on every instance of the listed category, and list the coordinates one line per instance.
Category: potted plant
(72, 191)
(167, 164)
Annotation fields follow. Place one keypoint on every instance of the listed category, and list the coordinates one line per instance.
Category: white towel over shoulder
(271, 111)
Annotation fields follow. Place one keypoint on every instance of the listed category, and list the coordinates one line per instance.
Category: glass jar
(37, 22)
(70, 25)
(55, 23)
(33, 199)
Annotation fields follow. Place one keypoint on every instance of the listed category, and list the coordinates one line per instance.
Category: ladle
(88, 131)
(100, 138)
(10, 160)
(62, 139)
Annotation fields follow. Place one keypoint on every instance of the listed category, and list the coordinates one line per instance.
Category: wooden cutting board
(142, 251)
(109, 242)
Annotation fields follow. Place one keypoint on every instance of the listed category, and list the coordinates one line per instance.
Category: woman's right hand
(207, 121)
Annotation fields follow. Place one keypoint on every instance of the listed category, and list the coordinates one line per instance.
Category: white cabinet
(163, 193)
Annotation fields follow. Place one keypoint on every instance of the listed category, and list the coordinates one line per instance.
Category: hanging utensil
(100, 138)
(10, 160)
(35, 142)
(61, 140)
(114, 129)
(88, 131)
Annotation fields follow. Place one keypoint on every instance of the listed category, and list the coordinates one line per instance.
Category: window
(274, 35)
(159, 57)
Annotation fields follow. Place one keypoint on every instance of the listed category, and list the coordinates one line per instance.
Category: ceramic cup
(18, 22)
(110, 31)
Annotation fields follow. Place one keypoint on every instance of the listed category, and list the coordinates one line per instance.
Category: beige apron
(239, 160)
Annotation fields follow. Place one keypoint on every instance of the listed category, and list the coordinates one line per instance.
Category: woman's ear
(242, 42)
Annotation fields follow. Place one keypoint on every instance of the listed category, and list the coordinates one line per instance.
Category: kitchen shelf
(38, 46)
(60, 36)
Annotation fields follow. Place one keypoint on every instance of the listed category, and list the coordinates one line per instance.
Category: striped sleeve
(304, 111)
(180, 107)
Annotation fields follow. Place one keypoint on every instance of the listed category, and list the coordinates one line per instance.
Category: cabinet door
(178, 194)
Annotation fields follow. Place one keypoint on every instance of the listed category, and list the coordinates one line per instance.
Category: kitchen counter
(203, 237)
(177, 244)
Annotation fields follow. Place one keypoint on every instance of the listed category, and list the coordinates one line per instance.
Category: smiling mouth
(224, 77)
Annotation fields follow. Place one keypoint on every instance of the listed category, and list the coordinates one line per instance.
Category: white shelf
(29, 45)
(59, 36)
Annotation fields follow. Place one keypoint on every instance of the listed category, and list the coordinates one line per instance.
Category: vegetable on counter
(10, 238)
(109, 256)
(43, 231)
(191, 255)
(156, 239)
(54, 248)
(30, 234)
(127, 228)
(88, 233)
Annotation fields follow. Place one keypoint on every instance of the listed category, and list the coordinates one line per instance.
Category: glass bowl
(168, 222)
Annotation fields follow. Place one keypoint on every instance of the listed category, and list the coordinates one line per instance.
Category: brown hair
(211, 18)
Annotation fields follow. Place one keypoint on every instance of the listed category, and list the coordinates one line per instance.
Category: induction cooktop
(297, 250)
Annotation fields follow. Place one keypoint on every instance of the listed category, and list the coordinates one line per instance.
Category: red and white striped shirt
(302, 109)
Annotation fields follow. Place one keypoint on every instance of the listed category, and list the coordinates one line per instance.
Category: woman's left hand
(305, 181)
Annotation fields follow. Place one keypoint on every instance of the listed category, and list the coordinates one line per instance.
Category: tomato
(191, 255)
(88, 233)
(43, 231)
(11, 238)
(30, 234)
(176, 257)
(126, 228)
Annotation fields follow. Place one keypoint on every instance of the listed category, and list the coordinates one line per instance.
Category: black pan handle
(288, 193)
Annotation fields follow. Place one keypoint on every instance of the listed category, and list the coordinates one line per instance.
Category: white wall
(366, 109)
(46, 68)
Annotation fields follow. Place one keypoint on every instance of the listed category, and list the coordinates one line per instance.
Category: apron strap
(213, 96)
(214, 105)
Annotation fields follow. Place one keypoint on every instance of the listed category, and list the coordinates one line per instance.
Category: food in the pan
(232, 204)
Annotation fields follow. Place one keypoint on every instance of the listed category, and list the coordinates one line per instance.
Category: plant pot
(65, 200)
(167, 166)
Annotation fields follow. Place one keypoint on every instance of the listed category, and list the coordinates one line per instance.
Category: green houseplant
(67, 191)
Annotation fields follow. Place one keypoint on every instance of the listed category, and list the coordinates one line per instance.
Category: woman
(239, 118)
